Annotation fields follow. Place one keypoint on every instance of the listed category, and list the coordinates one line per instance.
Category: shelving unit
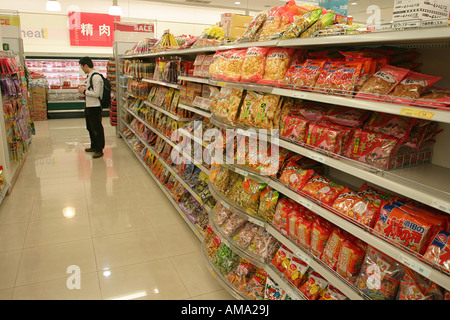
(427, 184)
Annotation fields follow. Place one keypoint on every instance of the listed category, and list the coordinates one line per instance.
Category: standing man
(93, 91)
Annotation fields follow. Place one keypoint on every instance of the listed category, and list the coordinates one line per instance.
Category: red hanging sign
(91, 29)
(141, 27)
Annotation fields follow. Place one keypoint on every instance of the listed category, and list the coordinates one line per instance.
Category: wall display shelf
(425, 182)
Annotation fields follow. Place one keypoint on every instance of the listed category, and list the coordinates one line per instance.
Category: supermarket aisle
(105, 216)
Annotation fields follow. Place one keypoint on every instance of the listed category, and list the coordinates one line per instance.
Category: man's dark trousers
(95, 127)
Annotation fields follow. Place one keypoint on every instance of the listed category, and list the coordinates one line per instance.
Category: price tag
(317, 157)
(423, 114)
(303, 257)
(221, 84)
(305, 203)
(415, 266)
(441, 205)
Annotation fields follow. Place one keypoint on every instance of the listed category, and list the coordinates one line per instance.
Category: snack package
(256, 286)
(273, 291)
(262, 244)
(233, 223)
(313, 287)
(268, 203)
(332, 293)
(393, 125)
(328, 78)
(323, 189)
(249, 108)
(251, 194)
(320, 233)
(328, 137)
(272, 23)
(294, 128)
(372, 148)
(251, 32)
(413, 86)
(309, 74)
(295, 176)
(234, 104)
(268, 112)
(349, 261)
(414, 286)
(282, 258)
(348, 75)
(241, 275)
(332, 249)
(222, 214)
(296, 271)
(276, 65)
(292, 73)
(303, 232)
(346, 116)
(246, 234)
(380, 276)
(325, 20)
(438, 251)
(219, 65)
(254, 64)
(234, 65)
(382, 82)
(280, 218)
(402, 228)
(301, 24)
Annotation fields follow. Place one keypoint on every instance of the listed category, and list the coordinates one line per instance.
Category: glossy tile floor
(81, 228)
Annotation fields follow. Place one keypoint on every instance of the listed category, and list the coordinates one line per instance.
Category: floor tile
(9, 264)
(154, 280)
(12, 236)
(178, 239)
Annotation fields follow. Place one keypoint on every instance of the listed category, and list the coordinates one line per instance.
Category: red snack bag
(254, 64)
(393, 125)
(350, 259)
(328, 137)
(310, 110)
(346, 116)
(402, 228)
(382, 82)
(276, 64)
(320, 233)
(292, 73)
(348, 75)
(331, 252)
(294, 128)
(332, 293)
(413, 85)
(303, 231)
(280, 218)
(309, 74)
(327, 80)
(313, 287)
(372, 148)
(439, 250)
(282, 258)
(323, 189)
(295, 176)
(414, 286)
(296, 271)
(292, 223)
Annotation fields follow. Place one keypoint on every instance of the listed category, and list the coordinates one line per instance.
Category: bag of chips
(294, 128)
(413, 86)
(346, 116)
(296, 271)
(309, 74)
(332, 293)
(301, 24)
(332, 249)
(251, 32)
(414, 286)
(349, 261)
(249, 108)
(234, 65)
(328, 80)
(393, 125)
(438, 251)
(268, 203)
(320, 232)
(313, 286)
(295, 176)
(282, 258)
(268, 112)
(328, 137)
(323, 189)
(219, 65)
(276, 65)
(254, 64)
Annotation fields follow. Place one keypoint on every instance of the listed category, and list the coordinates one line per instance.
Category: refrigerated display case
(63, 75)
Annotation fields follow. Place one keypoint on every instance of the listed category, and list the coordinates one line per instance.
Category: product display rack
(426, 183)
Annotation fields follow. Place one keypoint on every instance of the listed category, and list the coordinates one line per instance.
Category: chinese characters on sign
(91, 29)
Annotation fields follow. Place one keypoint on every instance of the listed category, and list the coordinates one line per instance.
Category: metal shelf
(162, 83)
(205, 113)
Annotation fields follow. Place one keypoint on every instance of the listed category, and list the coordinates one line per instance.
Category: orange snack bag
(330, 254)
(296, 271)
(323, 189)
(350, 260)
(303, 232)
(282, 258)
(314, 286)
(309, 74)
(320, 233)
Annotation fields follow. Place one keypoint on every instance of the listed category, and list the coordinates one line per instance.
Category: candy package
(380, 276)
(241, 275)
(254, 64)
(273, 291)
(232, 224)
(263, 244)
(256, 286)
(323, 189)
(222, 214)
(246, 234)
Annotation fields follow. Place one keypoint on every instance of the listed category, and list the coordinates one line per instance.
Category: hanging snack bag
(309, 74)
(219, 65)
(380, 276)
(254, 64)
(252, 29)
(323, 189)
(234, 66)
(382, 82)
(413, 86)
(313, 287)
(277, 63)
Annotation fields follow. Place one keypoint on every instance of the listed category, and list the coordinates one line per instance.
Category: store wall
(47, 34)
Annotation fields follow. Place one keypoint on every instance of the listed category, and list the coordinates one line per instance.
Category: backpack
(105, 101)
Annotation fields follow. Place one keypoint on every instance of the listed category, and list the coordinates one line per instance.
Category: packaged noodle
(254, 64)
(277, 63)
(301, 24)
(320, 24)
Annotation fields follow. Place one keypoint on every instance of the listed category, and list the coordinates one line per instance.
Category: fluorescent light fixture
(237, 2)
(115, 10)
(53, 5)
